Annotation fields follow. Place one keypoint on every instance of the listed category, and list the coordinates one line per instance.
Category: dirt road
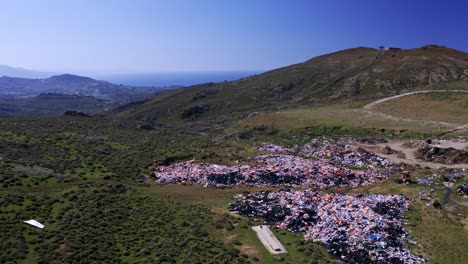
(410, 156)
(370, 105)
(368, 108)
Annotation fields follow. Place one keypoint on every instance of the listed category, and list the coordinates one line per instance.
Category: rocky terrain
(442, 155)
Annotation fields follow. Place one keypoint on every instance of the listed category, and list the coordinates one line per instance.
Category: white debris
(269, 240)
(34, 223)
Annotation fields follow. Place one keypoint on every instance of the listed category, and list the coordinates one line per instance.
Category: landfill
(327, 166)
(355, 229)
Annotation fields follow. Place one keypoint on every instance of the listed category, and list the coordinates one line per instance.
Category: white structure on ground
(34, 223)
(269, 239)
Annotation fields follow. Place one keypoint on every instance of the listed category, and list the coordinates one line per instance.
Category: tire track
(368, 108)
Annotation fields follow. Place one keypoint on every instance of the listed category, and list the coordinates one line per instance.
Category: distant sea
(174, 78)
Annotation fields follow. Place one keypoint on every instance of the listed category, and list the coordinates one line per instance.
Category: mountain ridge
(70, 77)
(348, 75)
(70, 84)
(19, 72)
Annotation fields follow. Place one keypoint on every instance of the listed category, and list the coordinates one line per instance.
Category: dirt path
(370, 105)
(368, 108)
(410, 157)
(443, 143)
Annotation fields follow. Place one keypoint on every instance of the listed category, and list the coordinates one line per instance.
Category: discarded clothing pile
(356, 229)
(338, 154)
(452, 174)
(463, 189)
(271, 170)
(428, 180)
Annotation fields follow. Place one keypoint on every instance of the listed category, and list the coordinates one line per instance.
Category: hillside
(446, 107)
(356, 74)
(64, 171)
(68, 84)
(51, 105)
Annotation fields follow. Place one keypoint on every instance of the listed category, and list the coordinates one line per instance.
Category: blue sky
(131, 36)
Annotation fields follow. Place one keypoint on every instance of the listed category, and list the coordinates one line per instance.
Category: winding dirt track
(368, 107)
(409, 153)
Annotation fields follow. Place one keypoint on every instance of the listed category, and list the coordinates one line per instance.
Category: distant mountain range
(67, 84)
(158, 79)
(61, 93)
(167, 79)
(6, 70)
(356, 74)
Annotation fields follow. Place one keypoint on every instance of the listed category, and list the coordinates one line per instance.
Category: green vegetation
(88, 178)
(454, 85)
(442, 107)
(240, 234)
(56, 95)
(93, 147)
(337, 121)
(78, 174)
(109, 223)
(353, 75)
(52, 105)
(10, 136)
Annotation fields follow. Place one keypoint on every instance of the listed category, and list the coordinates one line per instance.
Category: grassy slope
(447, 107)
(356, 74)
(52, 105)
(342, 120)
(107, 223)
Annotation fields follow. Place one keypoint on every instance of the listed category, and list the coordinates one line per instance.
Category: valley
(182, 176)
(58, 94)
(233, 132)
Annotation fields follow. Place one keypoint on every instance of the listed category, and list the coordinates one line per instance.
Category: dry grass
(452, 108)
(215, 198)
(339, 117)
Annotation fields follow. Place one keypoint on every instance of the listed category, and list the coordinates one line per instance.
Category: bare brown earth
(409, 153)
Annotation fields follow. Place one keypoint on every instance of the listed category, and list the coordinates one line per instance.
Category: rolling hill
(69, 84)
(351, 75)
(52, 105)
(69, 169)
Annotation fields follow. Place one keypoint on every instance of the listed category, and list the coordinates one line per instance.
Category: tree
(381, 47)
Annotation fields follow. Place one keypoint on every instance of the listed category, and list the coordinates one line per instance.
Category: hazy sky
(220, 35)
